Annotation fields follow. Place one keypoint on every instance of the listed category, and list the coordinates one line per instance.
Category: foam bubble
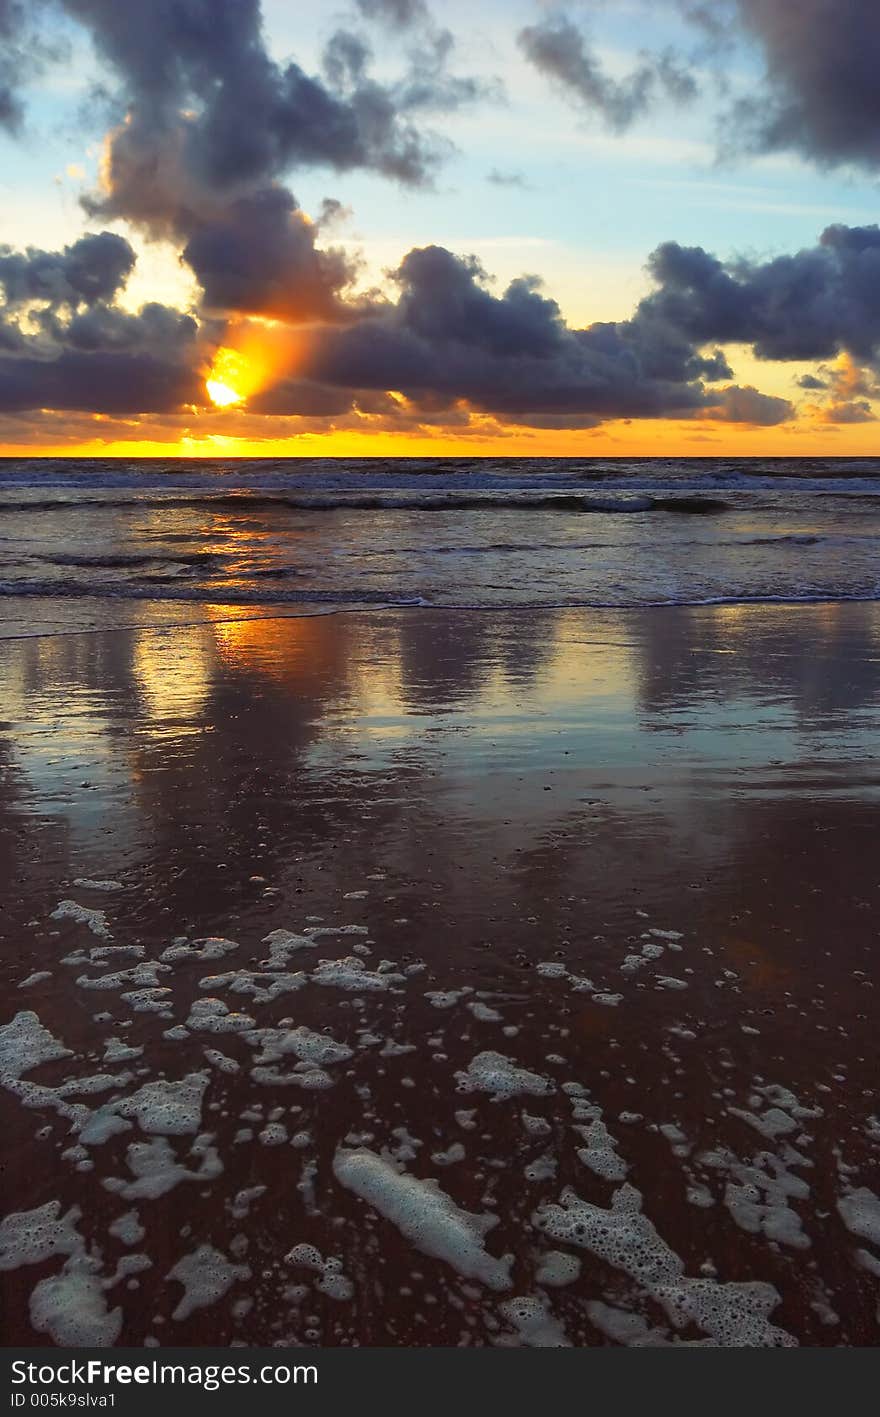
(117, 1052)
(221, 1061)
(309, 1047)
(534, 1323)
(156, 1169)
(425, 1215)
(275, 1134)
(213, 1016)
(24, 1044)
(127, 1228)
(72, 1309)
(499, 1075)
(37, 977)
(600, 1152)
(282, 944)
(149, 1001)
(211, 947)
(263, 988)
(483, 1013)
(31, 1236)
(860, 1213)
(94, 920)
(735, 1315)
(557, 1269)
(352, 974)
(542, 1169)
(446, 998)
(143, 976)
(332, 1281)
(167, 1108)
(304, 1075)
(206, 1276)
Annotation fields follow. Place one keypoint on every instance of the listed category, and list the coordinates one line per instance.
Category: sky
(606, 228)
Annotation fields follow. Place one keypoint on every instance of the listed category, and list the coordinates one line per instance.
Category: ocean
(79, 536)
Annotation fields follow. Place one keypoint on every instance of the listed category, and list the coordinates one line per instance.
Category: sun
(229, 379)
(256, 354)
(221, 394)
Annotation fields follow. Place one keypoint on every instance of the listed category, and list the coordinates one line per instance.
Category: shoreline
(391, 607)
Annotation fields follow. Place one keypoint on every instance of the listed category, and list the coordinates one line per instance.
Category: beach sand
(636, 855)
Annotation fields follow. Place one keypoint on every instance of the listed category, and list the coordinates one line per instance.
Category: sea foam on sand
(424, 1215)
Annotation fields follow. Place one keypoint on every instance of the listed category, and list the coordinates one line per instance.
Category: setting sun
(227, 380)
(257, 354)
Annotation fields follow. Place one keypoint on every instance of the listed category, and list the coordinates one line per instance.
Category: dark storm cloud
(448, 338)
(113, 382)
(155, 329)
(821, 95)
(65, 344)
(93, 268)
(259, 255)
(560, 50)
(254, 119)
(818, 94)
(212, 124)
(811, 305)
(211, 116)
(448, 342)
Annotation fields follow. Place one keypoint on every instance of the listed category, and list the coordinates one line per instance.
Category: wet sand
(674, 810)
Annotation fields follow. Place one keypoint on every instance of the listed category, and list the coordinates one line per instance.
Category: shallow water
(494, 532)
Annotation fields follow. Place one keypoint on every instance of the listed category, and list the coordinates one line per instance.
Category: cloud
(738, 404)
(428, 84)
(24, 50)
(560, 51)
(66, 344)
(448, 339)
(448, 346)
(817, 95)
(12, 25)
(850, 387)
(504, 178)
(820, 95)
(810, 305)
(210, 124)
(259, 255)
(91, 269)
(397, 13)
(113, 382)
(214, 113)
(853, 411)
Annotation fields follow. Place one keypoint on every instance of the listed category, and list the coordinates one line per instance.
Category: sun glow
(227, 381)
(256, 355)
